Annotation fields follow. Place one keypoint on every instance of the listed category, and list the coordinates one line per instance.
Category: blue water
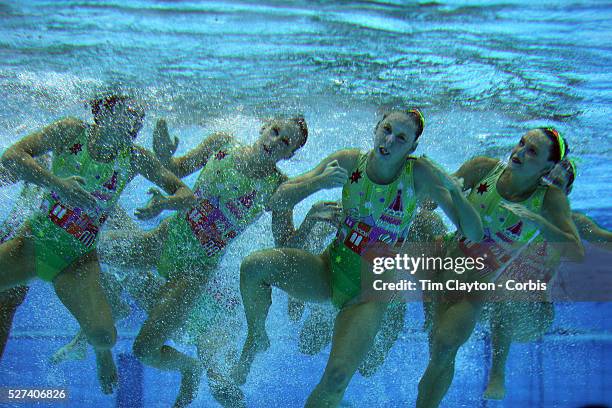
(482, 72)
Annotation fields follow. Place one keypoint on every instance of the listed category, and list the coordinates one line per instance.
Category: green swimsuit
(505, 233)
(228, 202)
(62, 233)
(374, 213)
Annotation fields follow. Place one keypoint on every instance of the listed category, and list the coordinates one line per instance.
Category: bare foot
(190, 383)
(225, 391)
(74, 351)
(496, 390)
(254, 344)
(107, 371)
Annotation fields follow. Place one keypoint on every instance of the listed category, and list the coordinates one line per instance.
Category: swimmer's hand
(163, 147)
(154, 207)
(326, 211)
(448, 181)
(71, 189)
(333, 176)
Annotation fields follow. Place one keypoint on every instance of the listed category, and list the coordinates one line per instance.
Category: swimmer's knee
(253, 265)
(445, 344)
(102, 338)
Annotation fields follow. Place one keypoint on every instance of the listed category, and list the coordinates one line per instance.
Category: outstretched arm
(432, 182)
(330, 172)
(194, 160)
(145, 163)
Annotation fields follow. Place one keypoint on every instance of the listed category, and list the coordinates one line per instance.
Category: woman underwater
(515, 208)
(91, 165)
(527, 318)
(234, 187)
(379, 196)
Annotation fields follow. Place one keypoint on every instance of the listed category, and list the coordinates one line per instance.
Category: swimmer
(515, 208)
(236, 184)
(316, 332)
(380, 194)
(91, 165)
(527, 320)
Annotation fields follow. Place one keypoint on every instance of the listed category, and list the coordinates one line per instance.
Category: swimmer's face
(279, 139)
(118, 126)
(530, 156)
(395, 137)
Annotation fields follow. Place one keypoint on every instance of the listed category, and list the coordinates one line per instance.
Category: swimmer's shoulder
(348, 158)
(475, 169)
(58, 134)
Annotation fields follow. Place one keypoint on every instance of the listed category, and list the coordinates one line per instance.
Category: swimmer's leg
(222, 387)
(299, 273)
(513, 322)
(354, 331)
(391, 327)
(501, 340)
(133, 247)
(17, 265)
(453, 327)
(76, 349)
(79, 289)
(10, 300)
(175, 301)
(112, 287)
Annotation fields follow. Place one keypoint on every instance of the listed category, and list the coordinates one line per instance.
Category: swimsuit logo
(355, 176)
(482, 188)
(76, 223)
(210, 226)
(76, 148)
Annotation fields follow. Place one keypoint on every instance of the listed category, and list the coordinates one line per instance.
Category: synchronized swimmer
(504, 213)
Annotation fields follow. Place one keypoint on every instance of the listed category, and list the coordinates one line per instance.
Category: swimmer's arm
(474, 170)
(556, 224)
(194, 159)
(145, 163)
(283, 230)
(296, 189)
(590, 231)
(470, 173)
(197, 158)
(429, 184)
(19, 158)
